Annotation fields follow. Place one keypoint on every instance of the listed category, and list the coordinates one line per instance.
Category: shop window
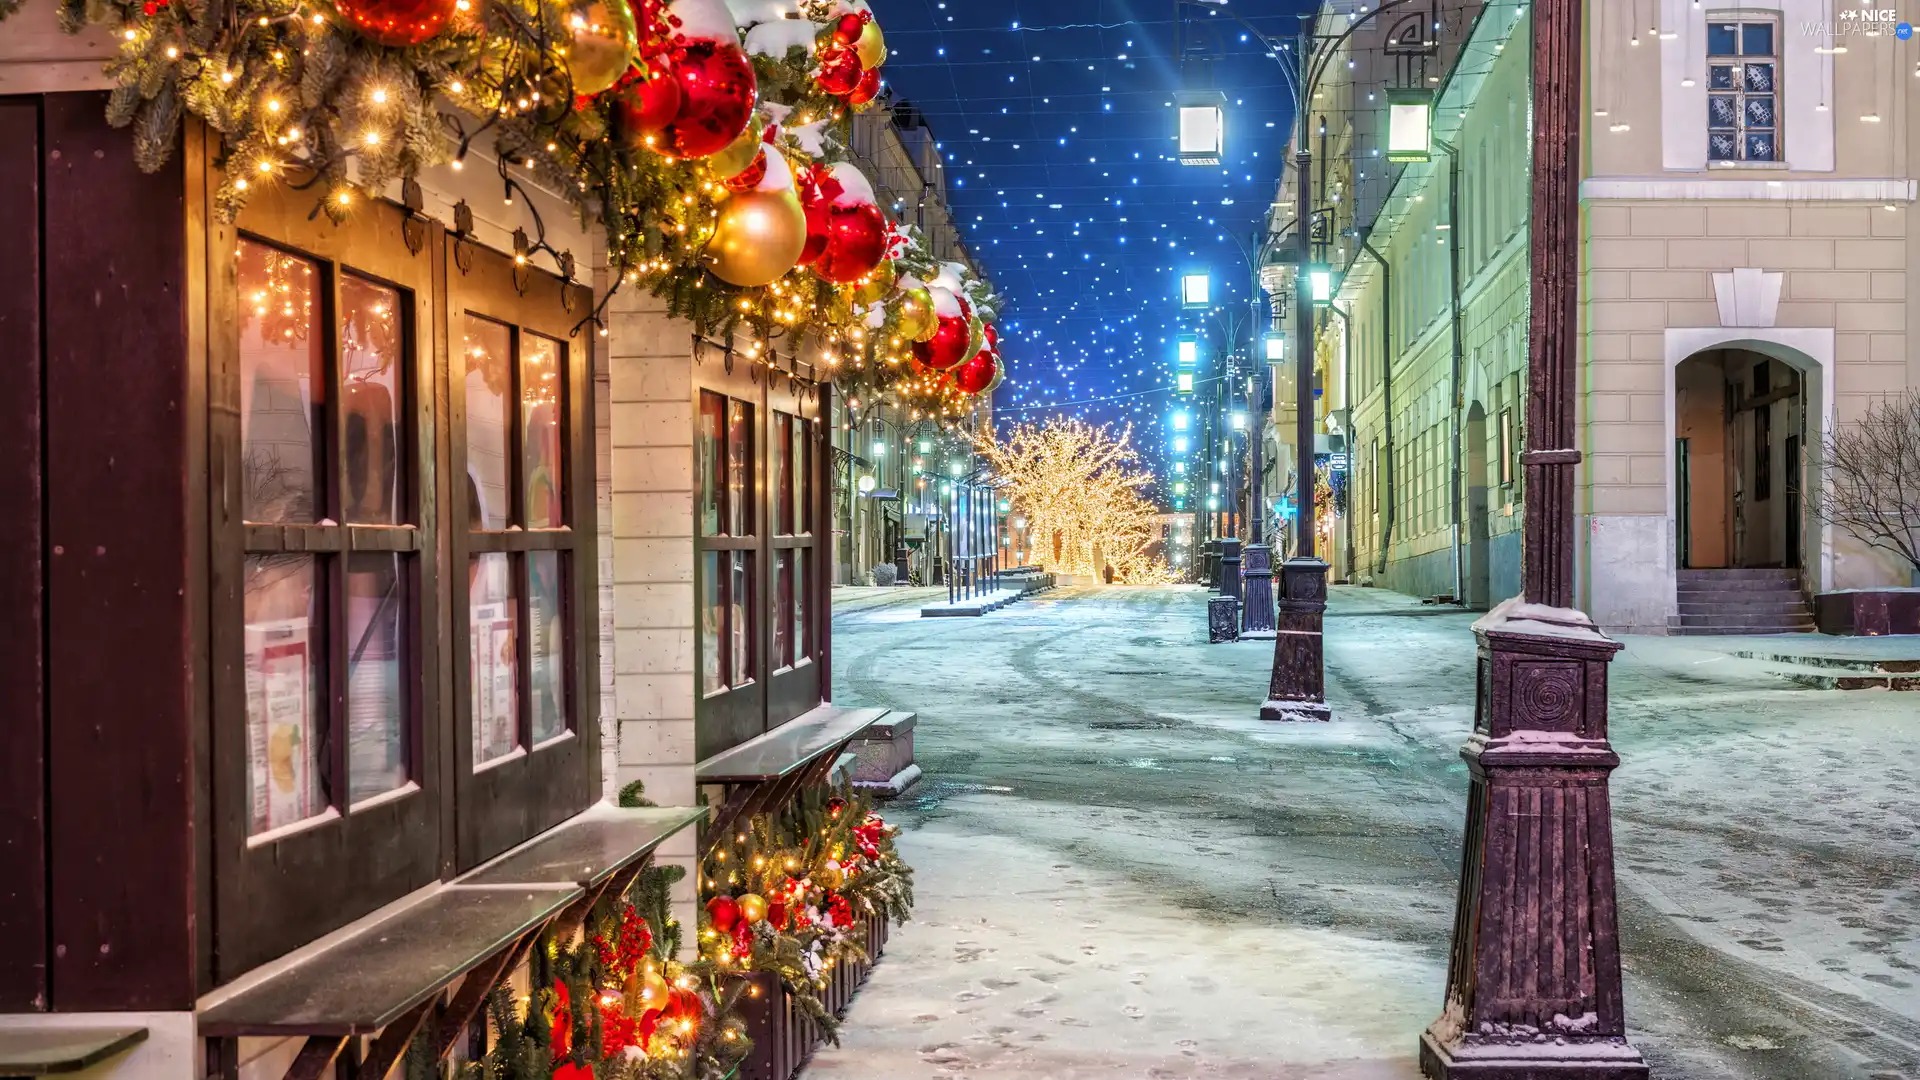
(729, 620)
(1743, 90)
(348, 665)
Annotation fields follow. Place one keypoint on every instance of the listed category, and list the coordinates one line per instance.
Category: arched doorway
(1740, 430)
(1479, 553)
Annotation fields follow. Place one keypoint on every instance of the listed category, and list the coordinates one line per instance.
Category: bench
(388, 976)
(56, 1051)
(764, 772)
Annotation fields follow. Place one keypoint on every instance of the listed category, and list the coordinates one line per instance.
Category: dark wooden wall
(23, 924)
(100, 472)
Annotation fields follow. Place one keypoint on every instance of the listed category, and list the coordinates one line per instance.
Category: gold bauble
(646, 991)
(976, 336)
(876, 286)
(917, 319)
(604, 40)
(830, 876)
(758, 238)
(872, 46)
(739, 154)
(753, 907)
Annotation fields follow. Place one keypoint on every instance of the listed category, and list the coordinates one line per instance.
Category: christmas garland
(711, 158)
(787, 892)
(616, 1004)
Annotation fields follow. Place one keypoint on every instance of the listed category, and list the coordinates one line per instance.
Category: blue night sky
(1055, 120)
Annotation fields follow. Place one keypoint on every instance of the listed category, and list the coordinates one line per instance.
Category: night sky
(1056, 124)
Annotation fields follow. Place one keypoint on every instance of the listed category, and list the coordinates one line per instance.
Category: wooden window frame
(512, 799)
(281, 891)
(728, 717)
(1739, 93)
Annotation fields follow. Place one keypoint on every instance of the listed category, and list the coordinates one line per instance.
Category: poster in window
(493, 659)
(282, 729)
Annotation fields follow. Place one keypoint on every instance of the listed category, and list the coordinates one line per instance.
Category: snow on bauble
(952, 343)
(701, 20)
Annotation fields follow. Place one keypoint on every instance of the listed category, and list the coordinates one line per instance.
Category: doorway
(1740, 421)
(1479, 553)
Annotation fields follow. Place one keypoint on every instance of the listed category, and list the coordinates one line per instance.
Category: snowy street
(1122, 872)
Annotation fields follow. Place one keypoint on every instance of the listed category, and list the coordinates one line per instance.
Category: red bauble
(570, 1071)
(717, 92)
(724, 913)
(840, 70)
(742, 939)
(819, 208)
(684, 1006)
(649, 102)
(867, 89)
(993, 338)
(948, 346)
(398, 23)
(856, 242)
(977, 374)
(847, 30)
(751, 176)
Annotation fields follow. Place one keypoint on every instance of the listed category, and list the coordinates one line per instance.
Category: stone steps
(1722, 602)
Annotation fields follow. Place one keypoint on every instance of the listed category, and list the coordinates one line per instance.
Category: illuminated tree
(1079, 488)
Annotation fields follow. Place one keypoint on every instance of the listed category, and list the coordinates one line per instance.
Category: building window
(1743, 90)
(1506, 447)
(724, 454)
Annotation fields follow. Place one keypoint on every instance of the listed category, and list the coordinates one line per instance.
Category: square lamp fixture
(1409, 125)
(1180, 445)
(1276, 348)
(1196, 291)
(1180, 420)
(1189, 352)
(1203, 127)
(1320, 280)
(1239, 420)
(1183, 383)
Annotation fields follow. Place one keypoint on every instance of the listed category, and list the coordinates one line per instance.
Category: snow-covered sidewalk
(1123, 873)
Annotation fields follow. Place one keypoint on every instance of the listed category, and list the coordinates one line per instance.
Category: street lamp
(1239, 420)
(1196, 291)
(1409, 125)
(1189, 352)
(1276, 346)
(1181, 420)
(1320, 280)
(1183, 383)
(1203, 127)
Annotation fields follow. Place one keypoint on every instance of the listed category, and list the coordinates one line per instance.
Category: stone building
(1746, 193)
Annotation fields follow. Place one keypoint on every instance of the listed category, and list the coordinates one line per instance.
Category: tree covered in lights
(1079, 488)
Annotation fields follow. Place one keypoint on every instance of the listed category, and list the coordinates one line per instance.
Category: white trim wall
(1805, 81)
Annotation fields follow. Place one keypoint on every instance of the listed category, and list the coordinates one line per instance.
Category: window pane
(1760, 112)
(802, 641)
(1722, 39)
(1756, 39)
(547, 643)
(1723, 146)
(708, 437)
(783, 473)
(1758, 78)
(377, 668)
(783, 610)
(286, 721)
(802, 476)
(740, 469)
(282, 386)
(1720, 77)
(373, 398)
(541, 405)
(494, 657)
(1760, 146)
(1723, 112)
(488, 348)
(740, 621)
(712, 618)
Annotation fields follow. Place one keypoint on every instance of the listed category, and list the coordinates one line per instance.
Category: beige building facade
(1747, 192)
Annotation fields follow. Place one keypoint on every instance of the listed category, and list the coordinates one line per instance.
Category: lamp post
(1297, 688)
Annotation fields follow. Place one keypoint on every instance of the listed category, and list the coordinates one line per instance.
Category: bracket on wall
(413, 229)
(463, 236)
(522, 274)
